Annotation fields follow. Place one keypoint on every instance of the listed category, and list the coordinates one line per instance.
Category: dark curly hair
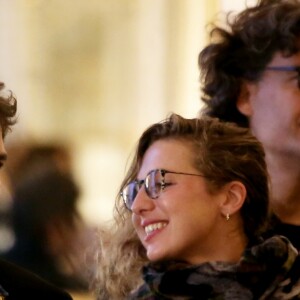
(242, 52)
(8, 109)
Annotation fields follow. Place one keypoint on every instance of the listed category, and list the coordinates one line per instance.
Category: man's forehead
(281, 59)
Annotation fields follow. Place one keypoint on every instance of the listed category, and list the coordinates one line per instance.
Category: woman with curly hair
(190, 215)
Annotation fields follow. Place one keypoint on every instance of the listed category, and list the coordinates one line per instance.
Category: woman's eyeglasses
(154, 184)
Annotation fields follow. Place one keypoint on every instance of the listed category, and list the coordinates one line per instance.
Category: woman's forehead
(170, 154)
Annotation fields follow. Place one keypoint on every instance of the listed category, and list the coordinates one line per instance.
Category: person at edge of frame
(190, 215)
(17, 283)
(250, 75)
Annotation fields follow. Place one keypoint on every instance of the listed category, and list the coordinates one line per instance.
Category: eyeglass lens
(153, 182)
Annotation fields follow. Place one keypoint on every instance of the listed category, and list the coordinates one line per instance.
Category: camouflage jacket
(269, 270)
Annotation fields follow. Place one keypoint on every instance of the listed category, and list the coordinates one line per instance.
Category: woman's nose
(142, 202)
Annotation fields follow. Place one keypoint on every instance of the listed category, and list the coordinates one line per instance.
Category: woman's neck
(228, 247)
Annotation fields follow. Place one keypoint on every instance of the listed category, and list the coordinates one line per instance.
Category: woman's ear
(235, 197)
(243, 102)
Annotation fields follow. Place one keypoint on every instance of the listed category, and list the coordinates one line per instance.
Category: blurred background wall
(93, 74)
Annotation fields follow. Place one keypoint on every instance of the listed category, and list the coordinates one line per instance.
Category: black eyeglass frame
(284, 69)
(138, 184)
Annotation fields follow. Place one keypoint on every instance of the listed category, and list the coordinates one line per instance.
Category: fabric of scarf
(265, 271)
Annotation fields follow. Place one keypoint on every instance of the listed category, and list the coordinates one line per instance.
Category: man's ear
(243, 103)
(235, 197)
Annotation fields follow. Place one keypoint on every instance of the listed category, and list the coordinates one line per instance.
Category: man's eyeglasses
(154, 184)
(286, 69)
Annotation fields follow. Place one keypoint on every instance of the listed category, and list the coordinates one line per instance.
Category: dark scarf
(256, 276)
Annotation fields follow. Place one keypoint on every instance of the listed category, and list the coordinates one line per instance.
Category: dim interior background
(94, 74)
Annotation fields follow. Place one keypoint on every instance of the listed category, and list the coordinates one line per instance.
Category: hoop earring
(227, 217)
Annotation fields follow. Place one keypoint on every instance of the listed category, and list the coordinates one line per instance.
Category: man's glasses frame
(286, 69)
(154, 184)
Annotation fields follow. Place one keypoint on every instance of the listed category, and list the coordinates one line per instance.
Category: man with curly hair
(17, 283)
(250, 75)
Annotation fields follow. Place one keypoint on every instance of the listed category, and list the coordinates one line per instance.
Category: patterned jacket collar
(257, 275)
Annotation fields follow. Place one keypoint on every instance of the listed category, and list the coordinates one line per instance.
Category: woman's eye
(158, 184)
(166, 184)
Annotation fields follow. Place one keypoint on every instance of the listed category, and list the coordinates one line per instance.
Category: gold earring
(227, 217)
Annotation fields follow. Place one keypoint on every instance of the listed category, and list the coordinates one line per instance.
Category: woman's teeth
(150, 228)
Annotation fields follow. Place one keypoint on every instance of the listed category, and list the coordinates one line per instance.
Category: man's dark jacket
(17, 283)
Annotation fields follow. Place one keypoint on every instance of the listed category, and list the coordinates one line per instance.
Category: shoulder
(276, 227)
(20, 284)
(289, 286)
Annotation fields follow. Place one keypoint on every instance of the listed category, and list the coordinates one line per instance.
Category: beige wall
(96, 73)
